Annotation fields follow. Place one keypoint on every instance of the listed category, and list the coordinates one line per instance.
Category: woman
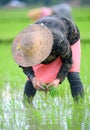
(48, 51)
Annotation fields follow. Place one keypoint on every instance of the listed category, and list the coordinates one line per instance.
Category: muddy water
(49, 114)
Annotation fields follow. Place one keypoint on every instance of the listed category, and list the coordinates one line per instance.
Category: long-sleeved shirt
(65, 34)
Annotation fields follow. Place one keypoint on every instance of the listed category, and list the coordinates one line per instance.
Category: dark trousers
(76, 86)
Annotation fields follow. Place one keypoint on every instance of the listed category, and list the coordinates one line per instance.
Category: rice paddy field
(52, 112)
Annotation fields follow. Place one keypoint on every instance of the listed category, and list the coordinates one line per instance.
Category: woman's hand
(54, 83)
(37, 84)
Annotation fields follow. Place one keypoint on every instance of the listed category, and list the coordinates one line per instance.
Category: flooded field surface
(49, 113)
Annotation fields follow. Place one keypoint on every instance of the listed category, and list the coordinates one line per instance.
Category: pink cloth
(45, 12)
(76, 56)
(46, 73)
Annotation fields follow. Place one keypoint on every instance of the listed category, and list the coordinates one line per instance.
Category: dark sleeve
(73, 33)
(65, 52)
(28, 71)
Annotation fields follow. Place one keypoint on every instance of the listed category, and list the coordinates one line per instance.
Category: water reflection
(50, 114)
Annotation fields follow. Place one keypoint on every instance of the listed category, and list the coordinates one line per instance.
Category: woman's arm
(28, 71)
(65, 52)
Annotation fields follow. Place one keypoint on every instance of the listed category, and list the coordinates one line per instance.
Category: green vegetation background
(12, 21)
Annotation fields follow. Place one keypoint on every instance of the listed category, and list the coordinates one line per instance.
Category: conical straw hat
(32, 45)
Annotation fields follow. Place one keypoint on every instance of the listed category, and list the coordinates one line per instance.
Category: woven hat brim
(39, 53)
